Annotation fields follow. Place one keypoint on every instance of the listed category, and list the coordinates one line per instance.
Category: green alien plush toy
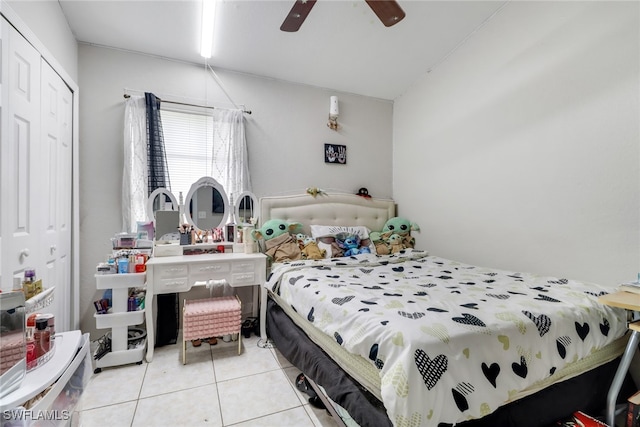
(395, 225)
(279, 243)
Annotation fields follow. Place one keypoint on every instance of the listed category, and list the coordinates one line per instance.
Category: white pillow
(331, 230)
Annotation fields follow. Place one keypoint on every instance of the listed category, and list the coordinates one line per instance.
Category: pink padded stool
(210, 317)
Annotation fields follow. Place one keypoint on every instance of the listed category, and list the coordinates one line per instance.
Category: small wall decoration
(334, 153)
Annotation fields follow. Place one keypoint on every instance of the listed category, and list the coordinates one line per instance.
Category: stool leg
(239, 342)
(618, 379)
(184, 352)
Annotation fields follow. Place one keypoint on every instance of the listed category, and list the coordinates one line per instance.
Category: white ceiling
(342, 45)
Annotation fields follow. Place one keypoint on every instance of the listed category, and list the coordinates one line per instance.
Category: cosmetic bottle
(140, 265)
(31, 352)
(123, 265)
(50, 323)
(28, 283)
(42, 337)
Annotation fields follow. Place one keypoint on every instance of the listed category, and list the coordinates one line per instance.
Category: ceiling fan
(389, 12)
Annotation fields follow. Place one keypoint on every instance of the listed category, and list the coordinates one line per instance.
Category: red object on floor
(587, 421)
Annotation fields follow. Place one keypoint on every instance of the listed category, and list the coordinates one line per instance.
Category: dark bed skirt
(586, 392)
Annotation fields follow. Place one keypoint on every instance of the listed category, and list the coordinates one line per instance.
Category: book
(630, 287)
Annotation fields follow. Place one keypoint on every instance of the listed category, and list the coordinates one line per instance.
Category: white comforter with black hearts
(451, 341)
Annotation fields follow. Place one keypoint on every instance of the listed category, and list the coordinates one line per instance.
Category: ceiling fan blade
(297, 15)
(389, 12)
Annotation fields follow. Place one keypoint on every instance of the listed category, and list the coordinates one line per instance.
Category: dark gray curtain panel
(156, 156)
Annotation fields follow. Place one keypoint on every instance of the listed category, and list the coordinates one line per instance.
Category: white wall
(521, 150)
(285, 136)
(48, 23)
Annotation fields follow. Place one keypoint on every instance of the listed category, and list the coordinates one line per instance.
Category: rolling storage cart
(120, 319)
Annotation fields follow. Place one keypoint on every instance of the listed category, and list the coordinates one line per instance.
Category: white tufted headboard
(328, 209)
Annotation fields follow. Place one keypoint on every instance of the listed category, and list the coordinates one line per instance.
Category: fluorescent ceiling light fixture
(208, 19)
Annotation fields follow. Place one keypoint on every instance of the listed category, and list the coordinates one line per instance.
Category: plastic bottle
(31, 352)
(42, 337)
(28, 285)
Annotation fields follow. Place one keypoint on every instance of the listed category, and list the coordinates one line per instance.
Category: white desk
(179, 273)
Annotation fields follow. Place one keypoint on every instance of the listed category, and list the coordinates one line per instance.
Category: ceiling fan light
(208, 20)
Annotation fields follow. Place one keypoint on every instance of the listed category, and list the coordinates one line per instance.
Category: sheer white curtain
(230, 165)
(134, 175)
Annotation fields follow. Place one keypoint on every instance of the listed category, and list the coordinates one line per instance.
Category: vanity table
(174, 274)
(205, 207)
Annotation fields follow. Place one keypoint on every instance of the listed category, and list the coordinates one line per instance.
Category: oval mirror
(206, 205)
(160, 199)
(246, 207)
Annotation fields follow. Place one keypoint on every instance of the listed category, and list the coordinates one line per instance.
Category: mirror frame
(151, 215)
(206, 181)
(254, 200)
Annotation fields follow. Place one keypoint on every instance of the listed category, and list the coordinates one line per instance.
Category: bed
(413, 339)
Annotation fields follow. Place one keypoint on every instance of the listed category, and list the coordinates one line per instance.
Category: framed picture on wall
(334, 153)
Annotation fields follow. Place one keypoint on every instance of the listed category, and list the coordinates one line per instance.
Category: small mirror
(246, 208)
(206, 205)
(160, 199)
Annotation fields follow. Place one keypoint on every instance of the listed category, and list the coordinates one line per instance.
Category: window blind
(188, 138)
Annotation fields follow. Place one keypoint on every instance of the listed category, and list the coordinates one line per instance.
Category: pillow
(319, 231)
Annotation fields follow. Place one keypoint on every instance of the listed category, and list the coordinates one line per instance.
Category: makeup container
(123, 265)
(42, 337)
(50, 323)
(140, 265)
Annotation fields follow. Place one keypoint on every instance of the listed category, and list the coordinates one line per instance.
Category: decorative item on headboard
(314, 191)
(363, 192)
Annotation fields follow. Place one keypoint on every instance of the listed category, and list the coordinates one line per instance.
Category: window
(189, 139)
(198, 142)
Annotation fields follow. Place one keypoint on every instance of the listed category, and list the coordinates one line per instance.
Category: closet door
(21, 201)
(4, 101)
(55, 194)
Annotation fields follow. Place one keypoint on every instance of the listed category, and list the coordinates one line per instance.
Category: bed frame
(584, 392)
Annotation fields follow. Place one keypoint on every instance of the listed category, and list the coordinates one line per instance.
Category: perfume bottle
(42, 337)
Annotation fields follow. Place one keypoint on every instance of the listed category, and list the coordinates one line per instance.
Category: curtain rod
(126, 95)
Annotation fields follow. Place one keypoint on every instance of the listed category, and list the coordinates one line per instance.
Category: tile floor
(217, 387)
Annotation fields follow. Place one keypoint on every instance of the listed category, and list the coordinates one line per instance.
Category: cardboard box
(633, 411)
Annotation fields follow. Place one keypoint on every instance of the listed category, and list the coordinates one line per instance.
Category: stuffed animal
(300, 238)
(395, 243)
(280, 245)
(351, 244)
(397, 225)
(311, 249)
(380, 242)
